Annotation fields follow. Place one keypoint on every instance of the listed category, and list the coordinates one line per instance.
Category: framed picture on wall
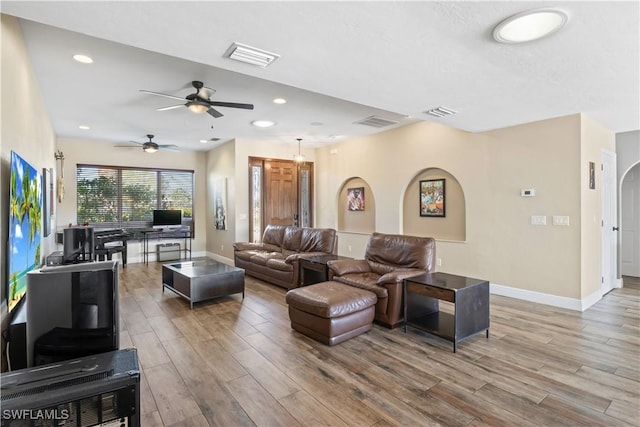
(432, 198)
(355, 199)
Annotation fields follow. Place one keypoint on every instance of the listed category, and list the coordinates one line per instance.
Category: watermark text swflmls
(35, 414)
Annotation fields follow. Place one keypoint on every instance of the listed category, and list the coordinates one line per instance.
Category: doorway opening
(280, 193)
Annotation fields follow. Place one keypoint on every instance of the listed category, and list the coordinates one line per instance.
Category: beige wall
(594, 139)
(86, 151)
(221, 164)
(501, 244)
(25, 126)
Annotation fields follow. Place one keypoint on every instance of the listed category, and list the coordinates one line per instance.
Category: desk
(469, 296)
(175, 234)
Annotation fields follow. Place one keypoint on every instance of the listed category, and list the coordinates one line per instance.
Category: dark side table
(469, 296)
(315, 270)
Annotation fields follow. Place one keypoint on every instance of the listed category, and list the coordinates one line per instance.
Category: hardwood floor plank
(580, 414)
(476, 407)
(228, 362)
(218, 406)
(191, 328)
(271, 378)
(522, 407)
(175, 402)
(308, 411)
(261, 407)
(150, 350)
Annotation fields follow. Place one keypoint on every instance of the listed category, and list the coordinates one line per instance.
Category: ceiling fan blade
(231, 105)
(126, 146)
(170, 107)
(169, 147)
(162, 94)
(205, 92)
(215, 113)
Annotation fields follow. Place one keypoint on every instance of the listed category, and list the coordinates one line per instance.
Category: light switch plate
(538, 220)
(560, 220)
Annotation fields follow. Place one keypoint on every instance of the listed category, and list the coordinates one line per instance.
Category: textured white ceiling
(339, 62)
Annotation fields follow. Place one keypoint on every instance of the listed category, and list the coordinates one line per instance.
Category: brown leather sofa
(276, 258)
(388, 260)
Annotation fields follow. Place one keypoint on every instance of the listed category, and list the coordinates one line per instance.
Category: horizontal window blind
(118, 197)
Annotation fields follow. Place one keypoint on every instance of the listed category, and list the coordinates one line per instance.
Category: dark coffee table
(202, 280)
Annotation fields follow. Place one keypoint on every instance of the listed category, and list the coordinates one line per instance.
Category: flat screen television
(25, 227)
(167, 218)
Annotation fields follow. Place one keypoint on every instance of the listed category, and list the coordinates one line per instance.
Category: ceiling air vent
(440, 112)
(250, 55)
(376, 122)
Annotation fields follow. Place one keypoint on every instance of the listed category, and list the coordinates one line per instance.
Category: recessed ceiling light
(83, 59)
(84, 127)
(530, 25)
(263, 123)
(279, 101)
(203, 141)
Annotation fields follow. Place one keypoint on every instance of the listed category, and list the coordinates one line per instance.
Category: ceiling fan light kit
(150, 146)
(530, 25)
(197, 107)
(199, 102)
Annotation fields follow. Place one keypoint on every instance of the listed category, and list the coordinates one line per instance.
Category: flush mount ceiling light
(530, 25)
(83, 59)
(263, 123)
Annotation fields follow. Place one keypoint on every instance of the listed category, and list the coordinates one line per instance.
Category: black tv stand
(17, 339)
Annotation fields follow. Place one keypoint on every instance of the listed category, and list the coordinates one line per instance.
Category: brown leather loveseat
(388, 260)
(276, 258)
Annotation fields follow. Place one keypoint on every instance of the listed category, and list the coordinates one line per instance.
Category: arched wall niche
(356, 221)
(450, 227)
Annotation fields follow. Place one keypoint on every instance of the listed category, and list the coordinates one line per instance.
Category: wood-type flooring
(230, 362)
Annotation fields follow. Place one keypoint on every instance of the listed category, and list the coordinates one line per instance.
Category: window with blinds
(118, 197)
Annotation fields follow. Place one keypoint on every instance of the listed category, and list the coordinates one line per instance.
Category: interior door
(281, 192)
(630, 224)
(609, 222)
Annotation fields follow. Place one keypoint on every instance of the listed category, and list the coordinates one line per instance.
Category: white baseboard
(548, 299)
(219, 258)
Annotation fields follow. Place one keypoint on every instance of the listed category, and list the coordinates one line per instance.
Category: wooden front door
(281, 192)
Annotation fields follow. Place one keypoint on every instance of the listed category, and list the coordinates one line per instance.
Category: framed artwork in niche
(432, 198)
(355, 199)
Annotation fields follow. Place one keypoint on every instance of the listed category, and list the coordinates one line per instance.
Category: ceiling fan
(200, 102)
(150, 146)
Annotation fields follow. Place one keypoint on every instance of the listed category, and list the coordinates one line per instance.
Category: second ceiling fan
(200, 102)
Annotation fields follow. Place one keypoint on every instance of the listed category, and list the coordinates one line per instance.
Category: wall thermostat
(530, 192)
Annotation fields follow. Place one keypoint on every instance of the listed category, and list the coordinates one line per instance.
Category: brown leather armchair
(388, 260)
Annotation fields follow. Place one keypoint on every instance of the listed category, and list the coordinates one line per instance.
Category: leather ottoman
(331, 312)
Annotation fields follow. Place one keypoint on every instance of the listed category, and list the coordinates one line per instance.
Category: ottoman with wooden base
(331, 312)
